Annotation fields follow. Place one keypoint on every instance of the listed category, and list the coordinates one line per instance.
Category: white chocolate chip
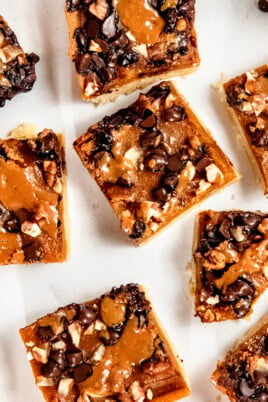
(75, 331)
(149, 394)
(213, 173)
(41, 354)
(213, 300)
(31, 229)
(98, 354)
(65, 387)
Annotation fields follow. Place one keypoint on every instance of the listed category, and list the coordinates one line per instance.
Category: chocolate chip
(109, 26)
(45, 333)
(236, 290)
(265, 342)
(260, 138)
(260, 378)
(124, 182)
(82, 40)
(175, 113)
(138, 229)
(233, 94)
(171, 17)
(33, 252)
(242, 307)
(127, 58)
(202, 164)
(83, 63)
(11, 225)
(160, 194)
(104, 140)
(74, 359)
(155, 162)
(58, 356)
(47, 146)
(174, 164)
(102, 44)
(225, 229)
(245, 389)
(183, 49)
(77, 5)
(159, 91)
(121, 40)
(114, 337)
(92, 28)
(151, 140)
(51, 369)
(263, 5)
(106, 74)
(98, 61)
(82, 372)
(86, 315)
(170, 181)
(252, 220)
(149, 119)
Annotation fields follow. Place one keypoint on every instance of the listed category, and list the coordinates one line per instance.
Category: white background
(233, 37)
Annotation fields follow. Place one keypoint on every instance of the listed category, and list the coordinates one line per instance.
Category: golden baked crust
(111, 348)
(119, 49)
(230, 270)
(243, 374)
(246, 97)
(32, 198)
(154, 161)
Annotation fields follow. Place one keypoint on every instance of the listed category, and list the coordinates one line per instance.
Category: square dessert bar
(231, 263)
(243, 374)
(153, 161)
(247, 100)
(17, 69)
(111, 348)
(119, 46)
(32, 180)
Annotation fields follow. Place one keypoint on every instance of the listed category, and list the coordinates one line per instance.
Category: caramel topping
(253, 259)
(142, 20)
(9, 244)
(21, 187)
(134, 346)
(112, 312)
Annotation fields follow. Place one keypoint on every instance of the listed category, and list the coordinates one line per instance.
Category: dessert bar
(119, 46)
(17, 69)
(111, 348)
(247, 100)
(32, 199)
(153, 161)
(230, 263)
(243, 374)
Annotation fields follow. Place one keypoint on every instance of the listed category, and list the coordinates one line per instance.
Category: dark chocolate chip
(33, 252)
(225, 229)
(160, 194)
(92, 28)
(252, 220)
(242, 307)
(114, 337)
(74, 358)
(202, 164)
(128, 58)
(138, 229)
(260, 138)
(102, 44)
(104, 140)
(82, 372)
(106, 74)
(86, 315)
(149, 120)
(175, 113)
(124, 182)
(83, 64)
(51, 369)
(236, 290)
(151, 140)
(98, 61)
(245, 389)
(11, 225)
(171, 17)
(45, 333)
(77, 5)
(233, 94)
(263, 5)
(170, 181)
(109, 26)
(159, 91)
(121, 40)
(175, 164)
(58, 356)
(155, 162)
(82, 41)
(265, 342)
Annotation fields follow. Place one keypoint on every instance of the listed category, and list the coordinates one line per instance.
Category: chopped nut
(137, 392)
(100, 326)
(142, 49)
(44, 381)
(31, 229)
(170, 99)
(237, 232)
(133, 154)
(50, 167)
(41, 354)
(75, 331)
(148, 210)
(189, 171)
(181, 25)
(29, 356)
(91, 88)
(203, 186)
(246, 107)
(149, 394)
(213, 300)
(9, 53)
(265, 271)
(213, 173)
(99, 8)
(262, 365)
(95, 47)
(214, 260)
(60, 345)
(98, 354)
(65, 387)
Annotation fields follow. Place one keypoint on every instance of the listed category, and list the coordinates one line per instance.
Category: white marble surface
(233, 37)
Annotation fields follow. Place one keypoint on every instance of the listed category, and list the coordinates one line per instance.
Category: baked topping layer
(31, 200)
(243, 374)
(111, 347)
(153, 160)
(231, 263)
(248, 96)
(17, 69)
(117, 42)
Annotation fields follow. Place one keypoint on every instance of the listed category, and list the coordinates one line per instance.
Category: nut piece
(31, 229)
(237, 232)
(75, 330)
(137, 392)
(99, 8)
(65, 387)
(213, 173)
(44, 381)
(98, 354)
(41, 354)
(214, 260)
(91, 88)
